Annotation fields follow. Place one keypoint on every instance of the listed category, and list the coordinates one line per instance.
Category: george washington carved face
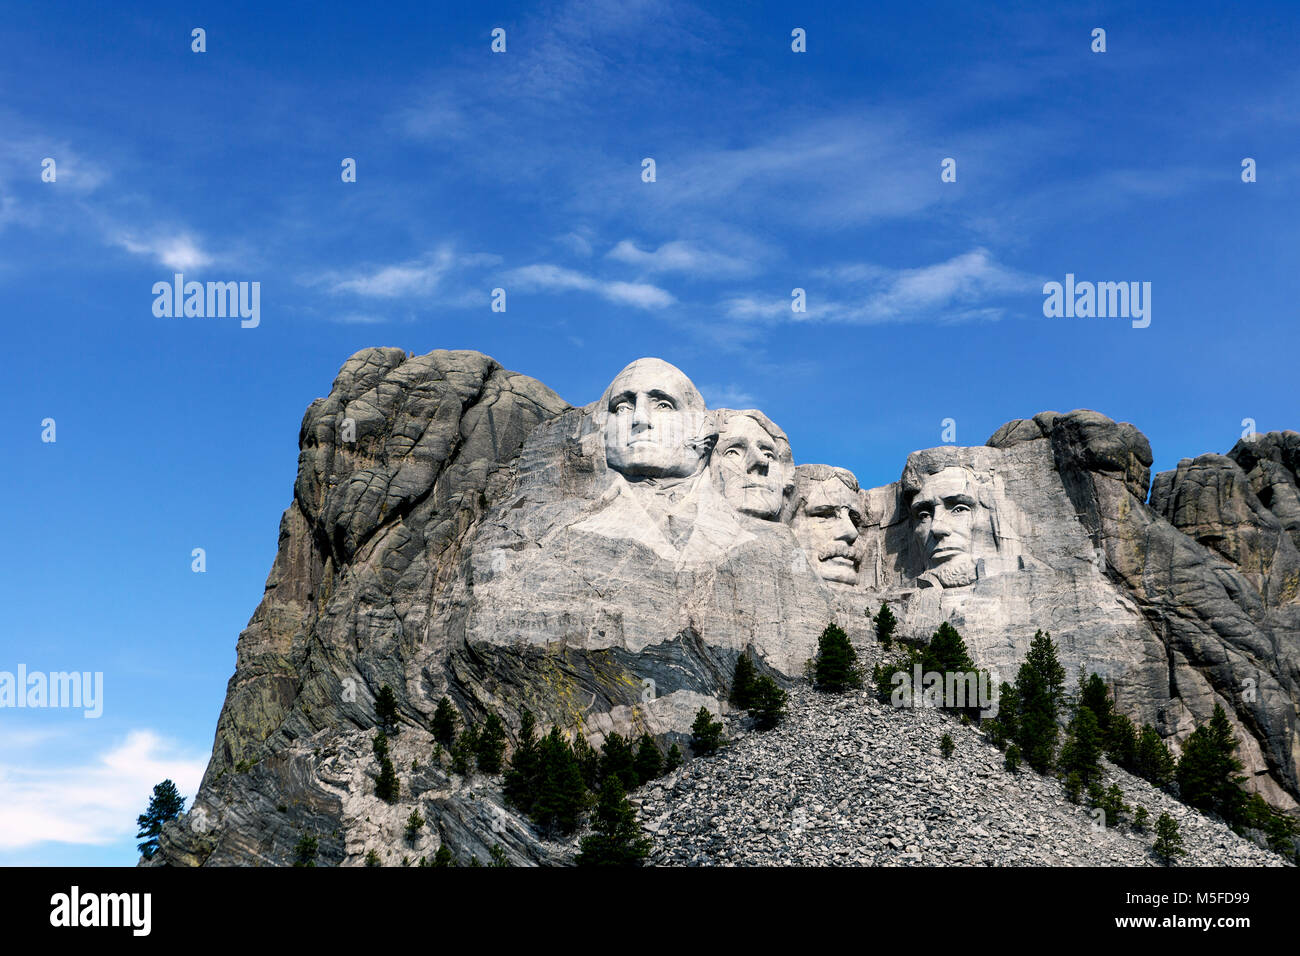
(654, 422)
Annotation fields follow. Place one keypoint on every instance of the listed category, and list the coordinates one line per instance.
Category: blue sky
(522, 170)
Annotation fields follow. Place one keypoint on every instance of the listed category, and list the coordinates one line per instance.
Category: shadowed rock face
(457, 529)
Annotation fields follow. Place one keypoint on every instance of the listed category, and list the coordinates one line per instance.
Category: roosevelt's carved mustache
(840, 552)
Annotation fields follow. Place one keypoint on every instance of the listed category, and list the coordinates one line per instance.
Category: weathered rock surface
(457, 529)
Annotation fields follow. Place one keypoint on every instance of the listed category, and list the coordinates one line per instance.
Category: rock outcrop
(458, 530)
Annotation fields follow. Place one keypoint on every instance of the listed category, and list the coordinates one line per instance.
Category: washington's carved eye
(960, 509)
(664, 403)
(769, 456)
(734, 452)
(921, 514)
(622, 407)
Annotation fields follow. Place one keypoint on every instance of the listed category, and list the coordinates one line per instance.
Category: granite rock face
(458, 530)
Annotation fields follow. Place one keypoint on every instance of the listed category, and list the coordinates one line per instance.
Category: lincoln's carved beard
(654, 423)
(955, 573)
(752, 468)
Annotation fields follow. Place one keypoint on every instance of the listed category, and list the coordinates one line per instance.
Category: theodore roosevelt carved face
(828, 520)
(654, 422)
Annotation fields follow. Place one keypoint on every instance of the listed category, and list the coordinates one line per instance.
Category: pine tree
(706, 733)
(769, 702)
(588, 762)
(1094, 695)
(464, 752)
(946, 746)
(1012, 759)
(1112, 805)
(674, 759)
(444, 723)
(304, 852)
(165, 804)
(491, 745)
(1081, 753)
(1008, 717)
(443, 857)
(1154, 762)
(742, 683)
(946, 653)
(617, 760)
(372, 859)
(617, 839)
(1121, 741)
(1140, 818)
(1169, 842)
(835, 669)
(499, 857)
(414, 824)
(521, 780)
(386, 710)
(561, 793)
(387, 785)
(649, 762)
(1209, 775)
(1040, 690)
(885, 624)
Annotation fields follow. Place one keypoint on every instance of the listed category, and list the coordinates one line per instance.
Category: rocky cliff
(457, 529)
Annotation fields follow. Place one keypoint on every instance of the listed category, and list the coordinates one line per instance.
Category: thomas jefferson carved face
(753, 466)
(827, 524)
(654, 422)
(943, 516)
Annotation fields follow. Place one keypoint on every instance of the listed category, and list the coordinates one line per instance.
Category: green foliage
(1209, 775)
(1112, 804)
(946, 746)
(769, 703)
(946, 652)
(1141, 819)
(414, 824)
(836, 667)
(706, 733)
(995, 732)
(1095, 695)
(560, 795)
(616, 839)
(1012, 760)
(1008, 717)
(1279, 829)
(1081, 752)
(649, 762)
(588, 762)
(520, 784)
(1154, 762)
(674, 759)
(499, 857)
(617, 760)
(1039, 692)
(885, 624)
(491, 745)
(304, 851)
(165, 804)
(443, 857)
(464, 752)
(444, 722)
(1122, 741)
(1169, 842)
(387, 785)
(372, 858)
(386, 710)
(742, 683)
(1073, 786)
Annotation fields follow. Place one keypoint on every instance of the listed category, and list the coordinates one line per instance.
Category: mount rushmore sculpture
(459, 530)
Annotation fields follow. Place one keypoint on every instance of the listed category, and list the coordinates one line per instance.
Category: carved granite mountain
(457, 529)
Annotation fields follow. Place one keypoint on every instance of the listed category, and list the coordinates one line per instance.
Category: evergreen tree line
(757, 694)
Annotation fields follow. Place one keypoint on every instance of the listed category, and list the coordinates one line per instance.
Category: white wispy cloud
(553, 278)
(92, 803)
(726, 396)
(681, 256)
(958, 289)
(179, 251)
(415, 277)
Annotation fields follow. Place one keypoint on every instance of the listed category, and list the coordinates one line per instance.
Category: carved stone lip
(840, 560)
(943, 554)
